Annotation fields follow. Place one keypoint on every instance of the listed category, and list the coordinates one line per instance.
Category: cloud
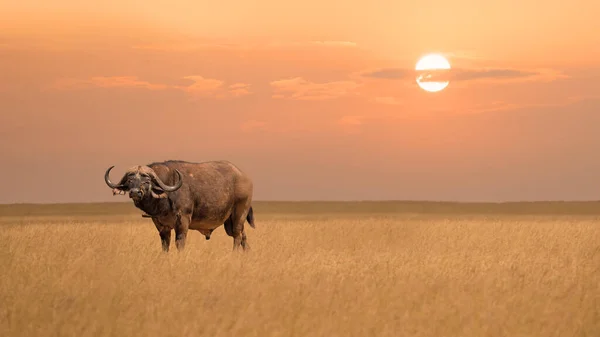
(464, 74)
(309, 44)
(351, 124)
(239, 89)
(200, 85)
(206, 45)
(300, 89)
(187, 46)
(498, 106)
(351, 120)
(334, 43)
(583, 97)
(387, 100)
(252, 125)
(106, 82)
(390, 73)
(494, 106)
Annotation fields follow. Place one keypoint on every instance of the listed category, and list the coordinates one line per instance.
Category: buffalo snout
(136, 193)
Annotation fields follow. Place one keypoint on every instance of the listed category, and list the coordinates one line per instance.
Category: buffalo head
(141, 181)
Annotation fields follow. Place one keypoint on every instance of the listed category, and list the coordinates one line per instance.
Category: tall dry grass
(313, 271)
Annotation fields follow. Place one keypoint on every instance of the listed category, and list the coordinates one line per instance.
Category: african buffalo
(182, 195)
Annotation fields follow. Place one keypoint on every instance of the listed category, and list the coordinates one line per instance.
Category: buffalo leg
(229, 230)
(245, 244)
(165, 238)
(181, 229)
(165, 234)
(239, 217)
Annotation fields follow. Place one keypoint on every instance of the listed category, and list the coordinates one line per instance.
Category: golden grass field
(315, 269)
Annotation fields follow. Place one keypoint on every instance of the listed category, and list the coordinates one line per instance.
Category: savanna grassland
(315, 269)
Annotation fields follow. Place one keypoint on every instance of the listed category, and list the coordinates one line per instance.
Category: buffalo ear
(117, 191)
(158, 193)
(122, 185)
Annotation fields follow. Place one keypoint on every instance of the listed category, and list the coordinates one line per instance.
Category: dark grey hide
(181, 195)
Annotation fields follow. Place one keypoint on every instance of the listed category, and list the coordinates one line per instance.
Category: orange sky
(315, 99)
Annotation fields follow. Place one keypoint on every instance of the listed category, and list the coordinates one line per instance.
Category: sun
(428, 63)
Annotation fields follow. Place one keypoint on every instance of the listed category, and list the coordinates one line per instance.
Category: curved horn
(107, 179)
(167, 188)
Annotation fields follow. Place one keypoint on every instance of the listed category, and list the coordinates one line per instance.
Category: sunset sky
(316, 100)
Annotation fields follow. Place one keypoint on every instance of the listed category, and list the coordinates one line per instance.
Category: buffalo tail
(250, 217)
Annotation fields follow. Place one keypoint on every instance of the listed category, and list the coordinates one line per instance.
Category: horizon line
(333, 201)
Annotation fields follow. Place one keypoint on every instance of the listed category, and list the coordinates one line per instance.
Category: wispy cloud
(106, 82)
(390, 73)
(351, 124)
(200, 45)
(334, 43)
(465, 74)
(199, 87)
(186, 46)
(239, 89)
(387, 100)
(351, 120)
(252, 125)
(311, 44)
(300, 89)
